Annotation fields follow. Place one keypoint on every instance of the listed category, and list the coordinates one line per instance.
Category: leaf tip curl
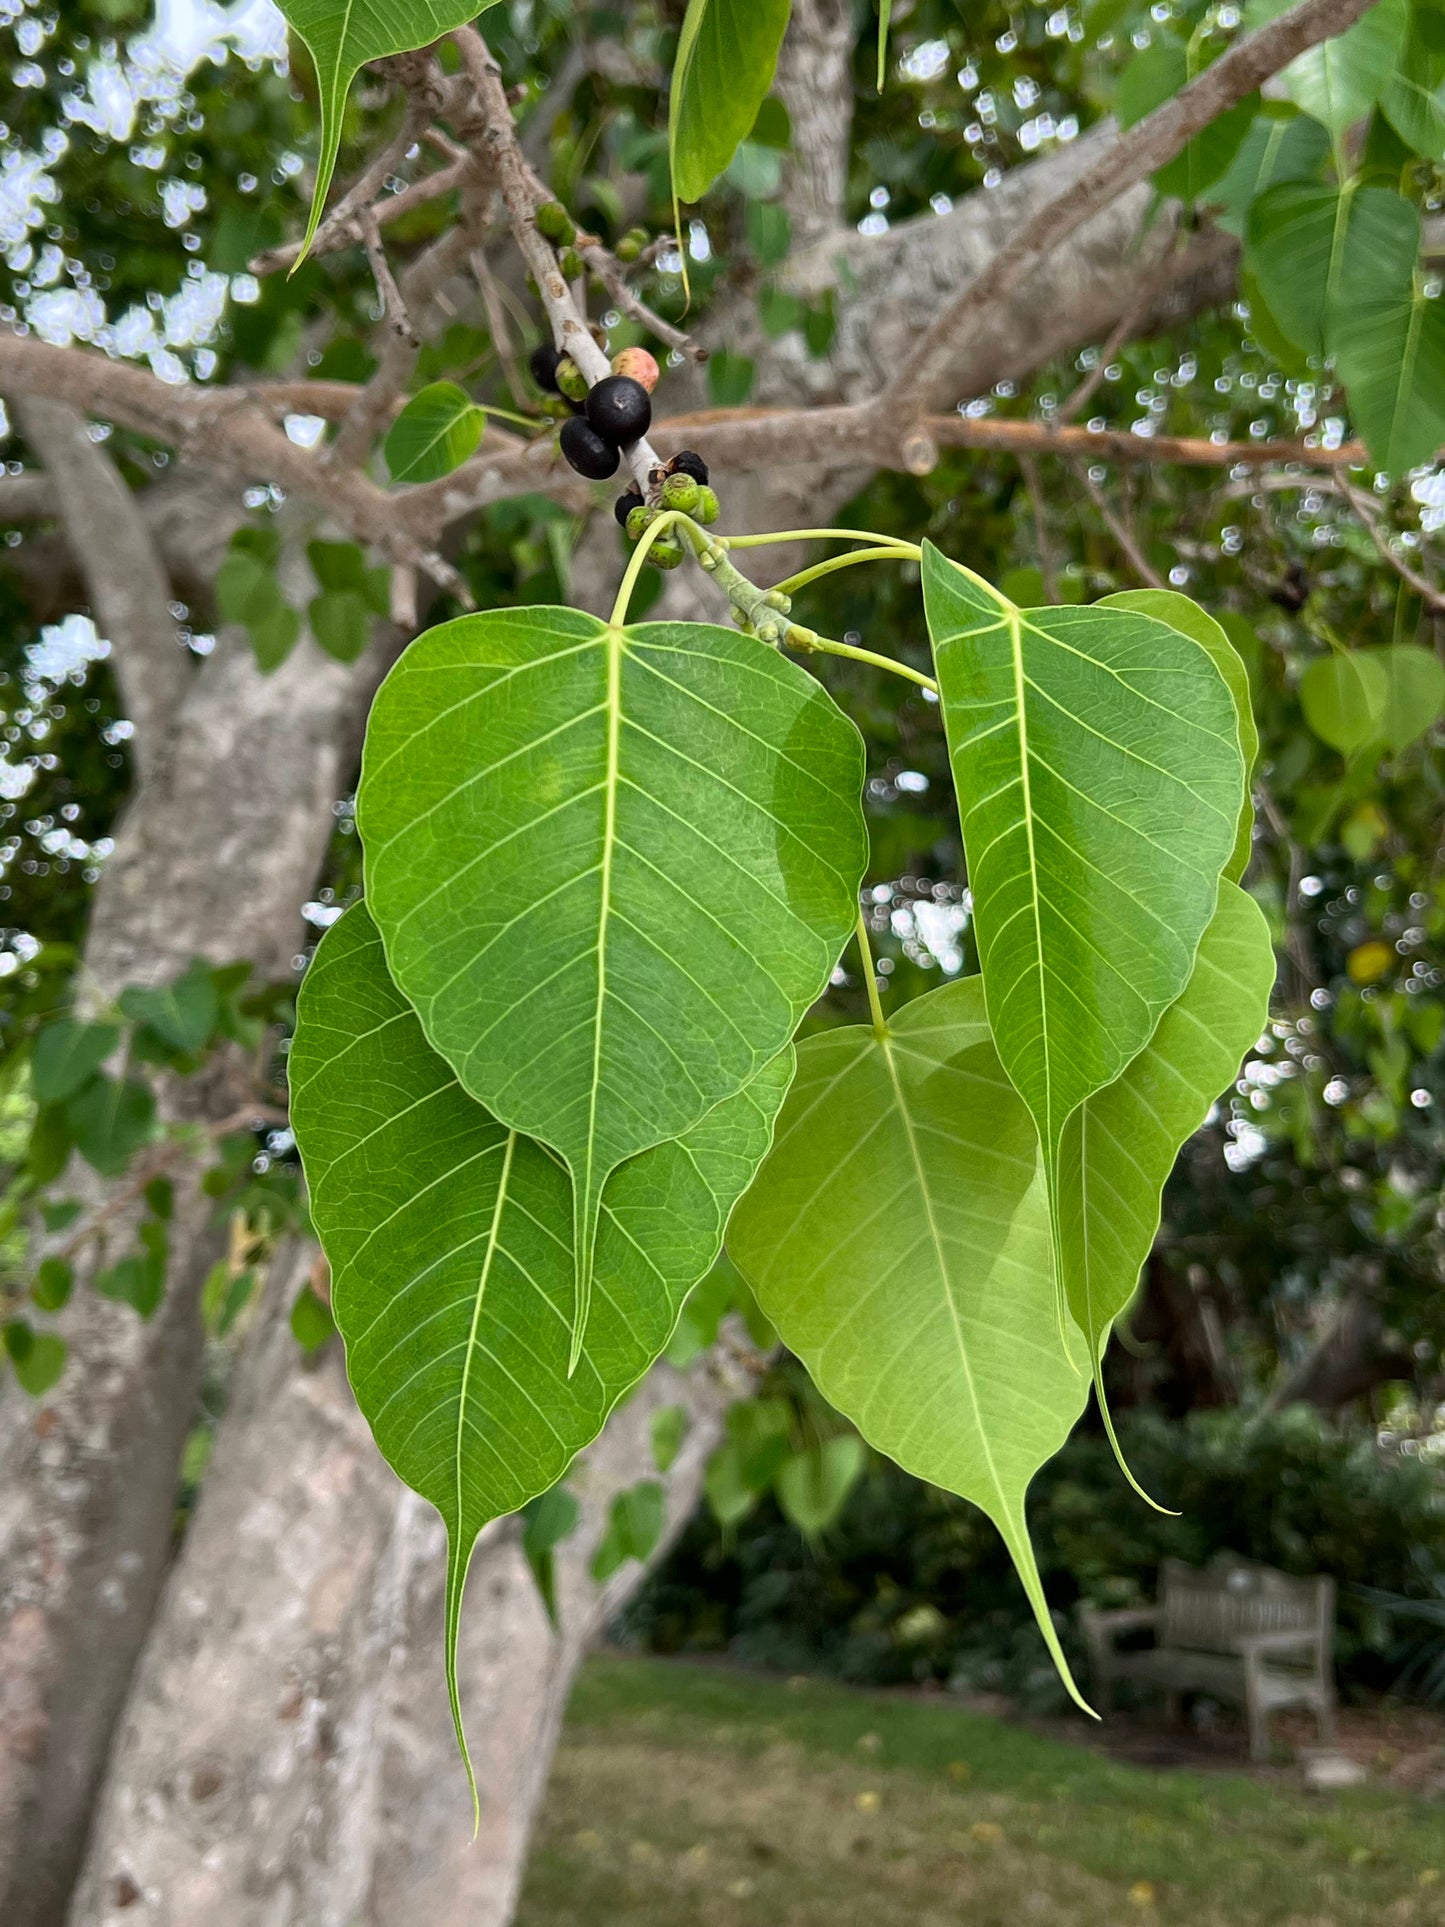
(1168, 1512)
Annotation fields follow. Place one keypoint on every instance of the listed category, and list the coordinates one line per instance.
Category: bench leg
(1258, 1731)
(1174, 1707)
(1325, 1719)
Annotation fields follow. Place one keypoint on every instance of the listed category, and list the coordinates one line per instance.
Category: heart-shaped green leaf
(813, 1486)
(1096, 757)
(1281, 145)
(898, 1237)
(727, 55)
(611, 868)
(438, 430)
(1120, 1145)
(452, 1269)
(1190, 620)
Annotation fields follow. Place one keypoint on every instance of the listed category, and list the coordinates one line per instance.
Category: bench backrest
(1209, 1611)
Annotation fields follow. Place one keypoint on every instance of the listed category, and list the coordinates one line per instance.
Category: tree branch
(926, 378)
(127, 587)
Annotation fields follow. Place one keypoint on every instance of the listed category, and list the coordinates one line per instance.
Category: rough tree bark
(236, 1795)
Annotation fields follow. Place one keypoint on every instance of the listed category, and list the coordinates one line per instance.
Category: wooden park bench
(1237, 1632)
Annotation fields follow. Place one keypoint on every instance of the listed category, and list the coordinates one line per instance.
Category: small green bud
(638, 521)
(556, 223)
(680, 492)
(572, 267)
(570, 379)
(632, 244)
(775, 599)
(708, 507)
(666, 554)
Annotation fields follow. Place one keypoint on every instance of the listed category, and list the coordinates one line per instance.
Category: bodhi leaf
(1415, 693)
(1343, 697)
(451, 1264)
(1389, 347)
(1339, 80)
(436, 432)
(1305, 241)
(68, 1054)
(341, 36)
(898, 1237)
(611, 868)
(727, 55)
(1095, 753)
(1281, 145)
(813, 1486)
(1190, 620)
(1120, 1145)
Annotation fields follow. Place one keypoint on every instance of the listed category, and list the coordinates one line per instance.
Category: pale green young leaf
(611, 867)
(726, 58)
(341, 36)
(1190, 620)
(1095, 753)
(452, 1269)
(1414, 693)
(438, 430)
(1120, 1145)
(1313, 249)
(898, 1237)
(1343, 697)
(1154, 76)
(813, 1486)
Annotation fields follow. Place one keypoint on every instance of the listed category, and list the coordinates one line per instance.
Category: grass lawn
(686, 1796)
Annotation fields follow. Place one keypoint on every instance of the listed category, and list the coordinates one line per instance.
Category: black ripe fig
(585, 449)
(689, 462)
(543, 364)
(620, 409)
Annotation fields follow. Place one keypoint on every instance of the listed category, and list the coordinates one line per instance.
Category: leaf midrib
(885, 1045)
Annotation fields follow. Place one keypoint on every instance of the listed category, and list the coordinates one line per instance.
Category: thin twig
(1364, 508)
(610, 273)
(497, 326)
(393, 308)
(1133, 554)
(1029, 469)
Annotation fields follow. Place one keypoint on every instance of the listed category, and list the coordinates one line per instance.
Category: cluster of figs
(610, 416)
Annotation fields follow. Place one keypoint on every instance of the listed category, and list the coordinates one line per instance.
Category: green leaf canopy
(1314, 250)
(342, 35)
(1096, 756)
(611, 868)
(448, 1239)
(898, 1237)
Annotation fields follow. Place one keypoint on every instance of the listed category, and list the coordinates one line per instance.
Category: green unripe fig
(708, 506)
(570, 379)
(632, 244)
(666, 554)
(680, 492)
(638, 522)
(572, 267)
(556, 223)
